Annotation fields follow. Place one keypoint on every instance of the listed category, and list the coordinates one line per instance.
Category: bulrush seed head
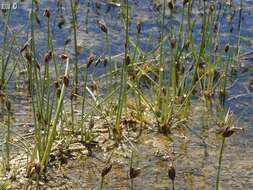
(25, 47)
(172, 172)
(46, 13)
(56, 84)
(211, 8)
(105, 62)
(170, 5)
(48, 57)
(228, 132)
(90, 60)
(102, 26)
(37, 167)
(66, 81)
(106, 170)
(64, 56)
(8, 105)
(185, 2)
(138, 27)
(128, 61)
(173, 42)
(227, 48)
(28, 56)
(134, 172)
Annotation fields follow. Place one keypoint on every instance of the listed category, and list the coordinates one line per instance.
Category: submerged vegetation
(111, 102)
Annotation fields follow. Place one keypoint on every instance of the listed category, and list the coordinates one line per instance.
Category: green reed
(4, 62)
(123, 81)
(74, 22)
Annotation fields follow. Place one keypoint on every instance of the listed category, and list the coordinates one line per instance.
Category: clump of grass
(52, 131)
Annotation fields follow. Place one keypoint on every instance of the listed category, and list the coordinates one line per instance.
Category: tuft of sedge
(90, 60)
(172, 172)
(106, 170)
(134, 172)
(102, 25)
(46, 13)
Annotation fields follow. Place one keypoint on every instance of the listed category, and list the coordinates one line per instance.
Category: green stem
(219, 167)
(55, 122)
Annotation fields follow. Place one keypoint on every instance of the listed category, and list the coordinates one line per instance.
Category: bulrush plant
(227, 129)
(52, 132)
(105, 171)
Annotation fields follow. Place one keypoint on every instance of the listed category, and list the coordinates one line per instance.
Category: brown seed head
(28, 56)
(106, 170)
(227, 48)
(48, 57)
(46, 13)
(133, 173)
(90, 60)
(37, 167)
(228, 132)
(173, 42)
(102, 26)
(56, 84)
(138, 27)
(64, 56)
(185, 2)
(66, 81)
(128, 61)
(172, 172)
(211, 8)
(8, 105)
(170, 5)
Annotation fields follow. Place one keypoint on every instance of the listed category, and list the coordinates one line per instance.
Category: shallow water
(196, 162)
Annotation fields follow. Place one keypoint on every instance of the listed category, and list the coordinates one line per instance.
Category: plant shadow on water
(127, 95)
